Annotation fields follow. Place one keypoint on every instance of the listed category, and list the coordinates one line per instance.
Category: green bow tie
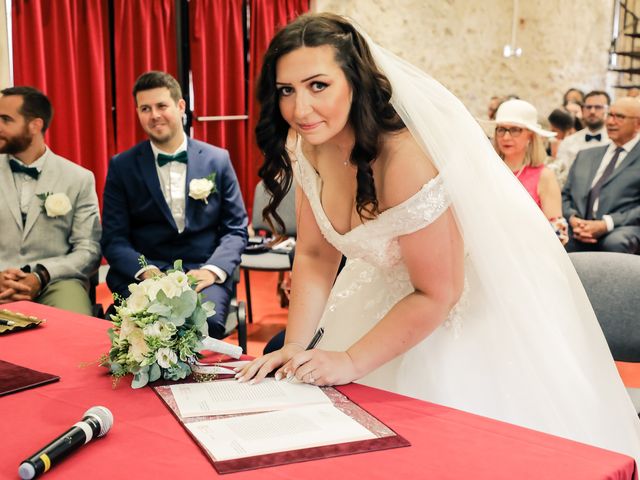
(178, 157)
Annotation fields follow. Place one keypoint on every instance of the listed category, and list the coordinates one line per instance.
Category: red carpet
(268, 317)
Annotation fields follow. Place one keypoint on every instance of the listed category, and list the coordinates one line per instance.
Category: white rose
(200, 188)
(137, 301)
(152, 330)
(166, 357)
(170, 287)
(151, 286)
(57, 204)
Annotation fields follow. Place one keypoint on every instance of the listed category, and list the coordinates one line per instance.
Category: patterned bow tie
(178, 157)
(596, 137)
(17, 167)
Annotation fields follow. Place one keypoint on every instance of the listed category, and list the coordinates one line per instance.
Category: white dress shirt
(173, 179)
(627, 147)
(569, 148)
(26, 185)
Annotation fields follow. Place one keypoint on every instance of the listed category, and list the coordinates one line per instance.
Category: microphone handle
(81, 433)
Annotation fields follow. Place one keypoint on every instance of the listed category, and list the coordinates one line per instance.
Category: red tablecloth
(146, 442)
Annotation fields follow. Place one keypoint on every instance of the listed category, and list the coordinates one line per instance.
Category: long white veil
(553, 368)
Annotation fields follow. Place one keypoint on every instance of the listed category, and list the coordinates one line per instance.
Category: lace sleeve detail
(419, 210)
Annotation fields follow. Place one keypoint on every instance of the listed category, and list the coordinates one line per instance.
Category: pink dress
(530, 177)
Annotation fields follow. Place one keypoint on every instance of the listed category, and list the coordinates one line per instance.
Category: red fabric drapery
(267, 17)
(144, 39)
(72, 69)
(218, 74)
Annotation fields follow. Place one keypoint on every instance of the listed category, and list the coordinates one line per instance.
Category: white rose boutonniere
(202, 188)
(55, 204)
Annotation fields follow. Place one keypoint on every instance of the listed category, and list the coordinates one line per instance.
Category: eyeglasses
(619, 117)
(597, 108)
(513, 131)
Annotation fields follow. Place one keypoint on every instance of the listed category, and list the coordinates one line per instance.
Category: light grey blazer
(68, 246)
(620, 194)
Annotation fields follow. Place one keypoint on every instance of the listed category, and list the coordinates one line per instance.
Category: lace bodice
(375, 241)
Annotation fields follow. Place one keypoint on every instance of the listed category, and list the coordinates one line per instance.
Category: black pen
(10, 322)
(316, 338)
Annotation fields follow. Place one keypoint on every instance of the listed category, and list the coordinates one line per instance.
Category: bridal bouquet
(158, 331)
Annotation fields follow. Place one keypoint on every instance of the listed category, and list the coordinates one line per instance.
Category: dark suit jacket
(620, 194)
(137, 220)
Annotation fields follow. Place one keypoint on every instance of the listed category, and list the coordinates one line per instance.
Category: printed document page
(278, 431)
(225, 397)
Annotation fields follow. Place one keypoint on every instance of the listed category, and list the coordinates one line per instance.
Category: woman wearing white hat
(519, 144)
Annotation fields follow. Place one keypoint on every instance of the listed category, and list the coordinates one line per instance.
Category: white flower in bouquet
(138, 348)
(158, 331)
(137, 301)
(166, 357)
(170, 287)
(153, 330)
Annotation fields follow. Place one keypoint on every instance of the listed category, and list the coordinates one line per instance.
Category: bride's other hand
(320, 367)
(260, 367)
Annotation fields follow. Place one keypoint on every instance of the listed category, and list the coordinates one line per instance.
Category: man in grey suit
(601, 198)
(49, 244)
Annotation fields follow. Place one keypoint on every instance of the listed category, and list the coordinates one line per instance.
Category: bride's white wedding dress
(481, 359)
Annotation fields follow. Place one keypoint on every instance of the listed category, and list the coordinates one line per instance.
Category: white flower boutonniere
(55, 204)
(201, 188)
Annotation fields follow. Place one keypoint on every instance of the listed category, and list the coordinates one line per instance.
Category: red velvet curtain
(267, 17)
(218, 74)
(144, 39)
(72, 69)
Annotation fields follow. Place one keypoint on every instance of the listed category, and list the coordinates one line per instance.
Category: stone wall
(460, 43)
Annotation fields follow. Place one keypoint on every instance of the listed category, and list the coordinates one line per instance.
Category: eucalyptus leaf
(154, 372)
(199, 316)
(184, 305)
(160, 309)
(177, 265)
(209, 308)
(140, 379)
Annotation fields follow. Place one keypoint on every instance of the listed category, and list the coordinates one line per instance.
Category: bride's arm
(314, 271)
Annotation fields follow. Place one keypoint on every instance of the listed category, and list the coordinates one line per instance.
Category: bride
(455, 290)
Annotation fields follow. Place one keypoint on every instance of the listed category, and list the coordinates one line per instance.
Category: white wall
(460, 42)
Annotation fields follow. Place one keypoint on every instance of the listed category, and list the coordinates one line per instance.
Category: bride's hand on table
(320, 367)
(255, 371)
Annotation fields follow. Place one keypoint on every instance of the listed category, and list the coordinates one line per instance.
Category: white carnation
(200, 188)
(57, 204)
(166, 357)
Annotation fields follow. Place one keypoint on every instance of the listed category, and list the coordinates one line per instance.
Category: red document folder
(14, 378)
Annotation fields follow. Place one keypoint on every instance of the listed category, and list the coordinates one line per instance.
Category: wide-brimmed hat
(521, 113)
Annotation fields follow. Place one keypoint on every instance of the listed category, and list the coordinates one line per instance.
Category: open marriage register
(241, 426)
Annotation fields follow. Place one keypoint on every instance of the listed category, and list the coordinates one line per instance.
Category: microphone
(96, 422)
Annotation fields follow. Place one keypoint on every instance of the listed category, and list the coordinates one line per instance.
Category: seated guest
(573, 95)
(50, 221)
(172, 197)
(562, 124)
(518, 142)
(594, 134)
(601, 198)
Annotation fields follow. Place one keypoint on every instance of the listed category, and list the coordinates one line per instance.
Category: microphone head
(104, 417)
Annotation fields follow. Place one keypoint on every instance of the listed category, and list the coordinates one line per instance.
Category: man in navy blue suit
(172, 197)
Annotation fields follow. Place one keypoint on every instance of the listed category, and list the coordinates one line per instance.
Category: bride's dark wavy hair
(371, 111)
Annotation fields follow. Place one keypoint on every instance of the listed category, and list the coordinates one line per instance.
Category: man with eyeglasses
(601, 197)
(594, 110)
